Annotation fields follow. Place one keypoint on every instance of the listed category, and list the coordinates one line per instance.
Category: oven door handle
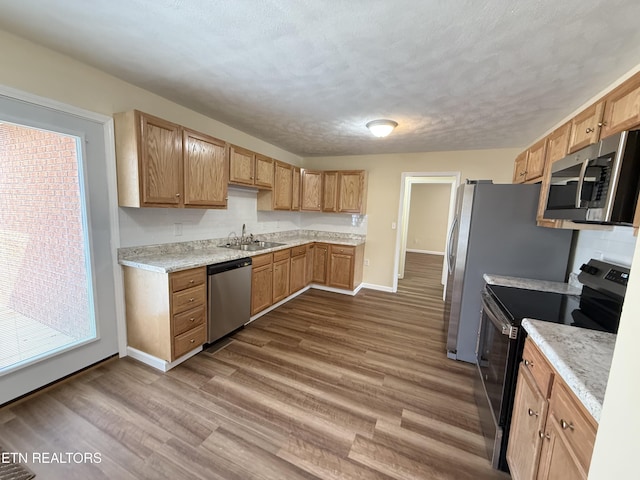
(504, 327)
(583, 172)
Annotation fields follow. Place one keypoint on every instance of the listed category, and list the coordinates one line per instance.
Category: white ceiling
(307, 75)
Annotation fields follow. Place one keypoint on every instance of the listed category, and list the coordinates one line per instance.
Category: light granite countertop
(582, 358)
(174, 257)
(531, 284)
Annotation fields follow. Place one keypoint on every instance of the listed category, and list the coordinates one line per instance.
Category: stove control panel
(617, 276)
(604, 277)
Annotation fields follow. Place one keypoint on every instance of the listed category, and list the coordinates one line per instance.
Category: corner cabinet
(552, 435)
(166, 312)
(352, 191)
(345, 266)
(311, 190)
(161, 164)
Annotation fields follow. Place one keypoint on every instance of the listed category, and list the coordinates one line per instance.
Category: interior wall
(383, 198)
(35, 69)
(428, 215)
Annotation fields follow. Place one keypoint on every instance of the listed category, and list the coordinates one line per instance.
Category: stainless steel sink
(253, 247)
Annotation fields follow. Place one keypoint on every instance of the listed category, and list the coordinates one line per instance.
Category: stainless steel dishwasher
(229, 297)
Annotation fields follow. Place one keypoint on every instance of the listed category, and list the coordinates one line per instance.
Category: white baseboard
(428, 252)
(381, 288)
(276, 305)
(337, 290)
(159, 363)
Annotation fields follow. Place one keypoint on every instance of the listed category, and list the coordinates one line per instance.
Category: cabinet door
(529, 414)
(206, 164)
(264, 172)
(161, 161)
(520, 167)
(535, 160)
(283, 175)
(557, 460)
(351, 191)
(340, 268)
(311, 251)
(622, 108)
(320, 260)
(585, 127)
(280, 280)
(295, 189)
(329, 191)
(311, 191)
(241, 166)
(297, 274)
(558, 143)
(261, 288)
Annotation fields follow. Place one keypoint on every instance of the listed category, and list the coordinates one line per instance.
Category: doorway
(57, 294)
(417, 181)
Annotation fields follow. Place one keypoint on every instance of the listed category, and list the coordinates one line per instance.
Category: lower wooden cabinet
(261, 282)
(281, 269)
(320, 263)
(166, 312)
(297, 274)
(311, 250)
(551, 437)
(345, 266)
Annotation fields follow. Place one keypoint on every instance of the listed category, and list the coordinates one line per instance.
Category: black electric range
(501, 338)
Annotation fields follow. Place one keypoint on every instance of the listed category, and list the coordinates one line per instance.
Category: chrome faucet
(242, 237)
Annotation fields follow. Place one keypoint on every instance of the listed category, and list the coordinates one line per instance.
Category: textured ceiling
(307, 75)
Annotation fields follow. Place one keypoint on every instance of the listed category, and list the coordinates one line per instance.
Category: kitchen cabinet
(557, 148)
(297, 274)
(264, 172)
(329, 191)
(205, 170)
(250, 169)
(295, 189)
(166, 313)
(529, 165)
(311, 250)
(161, 164)
(622, 108)
(320, 263)
(261, 282)
(281, 269)
(280, 197)
(345, 266)
(352, 189)
(562, 445)
(311, 190)
(585, 127)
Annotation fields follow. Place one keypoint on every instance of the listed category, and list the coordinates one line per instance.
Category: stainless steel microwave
(598, 184)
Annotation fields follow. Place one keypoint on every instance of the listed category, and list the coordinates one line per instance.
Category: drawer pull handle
(532, 413)
(566, 425)
(191, 299)
(527, 363)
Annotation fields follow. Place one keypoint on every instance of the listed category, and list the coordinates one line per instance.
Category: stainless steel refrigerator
(494, 231)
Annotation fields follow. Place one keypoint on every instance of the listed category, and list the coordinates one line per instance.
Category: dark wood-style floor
(325, 387)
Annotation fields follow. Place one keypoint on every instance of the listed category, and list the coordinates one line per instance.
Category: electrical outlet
(393, 225)
(177, 229)
(366, 262)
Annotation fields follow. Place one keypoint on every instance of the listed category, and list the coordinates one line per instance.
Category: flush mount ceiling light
(381, 128)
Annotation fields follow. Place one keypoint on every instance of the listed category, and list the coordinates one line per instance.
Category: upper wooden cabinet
(282, 189)
(205, 170)
(242, 166)
(329, 191)
(161, 164)
(585, 127)
(622, 108)
(311, 190)
(295, 189)
(264, 172)
(352, 191)
(529, 165)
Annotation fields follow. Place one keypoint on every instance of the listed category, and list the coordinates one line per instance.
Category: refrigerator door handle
(450, 245)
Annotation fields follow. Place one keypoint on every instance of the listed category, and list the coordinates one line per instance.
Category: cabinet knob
(528, 363)
(602, 124)
(566, 425)
(532, 413)
(192, 319)
(192, 341)
(191, 299)
(177, 195)
(544, 435)
(589, 130)
(191, 281)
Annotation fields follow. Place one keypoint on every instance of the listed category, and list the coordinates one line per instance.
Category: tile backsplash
(615, 246)
(151, 226)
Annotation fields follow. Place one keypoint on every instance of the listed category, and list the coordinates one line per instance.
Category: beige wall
(384, 192)
(40, 71)
(428, 215)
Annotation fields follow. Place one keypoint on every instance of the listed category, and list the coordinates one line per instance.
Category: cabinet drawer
(295, 251)
(535, 362)
(187, 279)
(343, 249)
(573, 421)
(188, 299)
(281, 255)
(188, 320)
(260, 260)
(188, 341)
